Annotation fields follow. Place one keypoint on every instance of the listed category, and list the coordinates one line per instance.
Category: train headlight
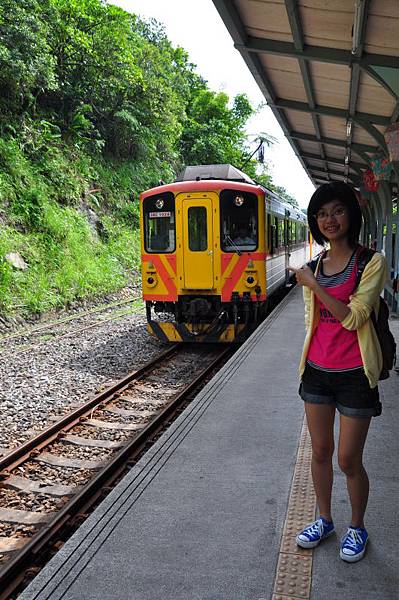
(250, 280)
(239, 200)
(159, 203)
(152, 281)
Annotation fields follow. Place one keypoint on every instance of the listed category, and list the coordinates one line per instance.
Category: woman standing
(341, 360)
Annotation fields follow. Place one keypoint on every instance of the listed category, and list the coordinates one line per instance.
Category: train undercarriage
(205, 318)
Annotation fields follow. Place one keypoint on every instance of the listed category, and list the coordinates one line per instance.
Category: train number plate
(154, 215)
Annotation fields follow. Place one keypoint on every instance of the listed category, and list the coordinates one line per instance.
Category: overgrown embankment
(95, 106)
(58, 242)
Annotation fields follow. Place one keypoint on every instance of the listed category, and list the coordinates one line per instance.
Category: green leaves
(103, 80)
(95, 106)
(213, 132)
(27, 64)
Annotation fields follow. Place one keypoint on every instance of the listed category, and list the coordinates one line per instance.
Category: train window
(281, 241)
(159, 223)
(269, 233)
(275, 232)
(238, 221)
(293, 232)
(197, 229)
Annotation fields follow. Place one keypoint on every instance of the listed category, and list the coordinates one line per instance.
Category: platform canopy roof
(329, 70)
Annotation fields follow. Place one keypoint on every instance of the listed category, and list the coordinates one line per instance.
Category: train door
(198, 260)
(287, 247)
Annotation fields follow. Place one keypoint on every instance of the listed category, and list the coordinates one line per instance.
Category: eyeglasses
(338, 212)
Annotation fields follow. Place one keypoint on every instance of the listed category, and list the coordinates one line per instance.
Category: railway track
(47, 484)
(50, 331)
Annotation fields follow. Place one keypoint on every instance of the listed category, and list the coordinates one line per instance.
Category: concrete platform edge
(71, 560)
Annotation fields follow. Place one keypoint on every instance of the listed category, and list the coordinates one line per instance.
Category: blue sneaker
(353, 544)
(314, 533)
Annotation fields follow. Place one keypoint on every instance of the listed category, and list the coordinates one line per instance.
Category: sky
(196, 26)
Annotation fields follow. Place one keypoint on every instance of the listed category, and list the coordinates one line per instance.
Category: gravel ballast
(39, 384)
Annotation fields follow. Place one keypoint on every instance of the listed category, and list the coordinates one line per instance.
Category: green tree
(213, 132)
(27, 65)
(284, 195)
(95, 106)
(121, 81)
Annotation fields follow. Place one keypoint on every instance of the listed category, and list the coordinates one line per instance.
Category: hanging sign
(370, 184)
(381, 167)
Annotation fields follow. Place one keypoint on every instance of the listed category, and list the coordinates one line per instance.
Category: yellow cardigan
(361, 303)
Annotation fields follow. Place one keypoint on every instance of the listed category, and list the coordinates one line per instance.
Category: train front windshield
(159, 223)
(238, 221)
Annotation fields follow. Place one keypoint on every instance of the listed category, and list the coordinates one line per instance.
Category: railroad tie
(92, 442)
(124, 412)
(110, 425)
(38, 487)
(24, 517)
(74, 463)
(8, 544)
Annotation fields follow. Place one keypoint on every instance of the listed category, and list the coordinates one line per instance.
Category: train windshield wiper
(230, 241)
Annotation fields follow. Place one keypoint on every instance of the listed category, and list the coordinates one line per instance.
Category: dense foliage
(95, 106)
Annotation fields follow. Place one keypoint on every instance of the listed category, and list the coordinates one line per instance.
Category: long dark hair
(345, 194)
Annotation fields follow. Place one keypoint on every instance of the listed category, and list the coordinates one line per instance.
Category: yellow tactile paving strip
(294, 567)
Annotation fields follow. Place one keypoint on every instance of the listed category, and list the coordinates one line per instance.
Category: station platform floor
(211, 511)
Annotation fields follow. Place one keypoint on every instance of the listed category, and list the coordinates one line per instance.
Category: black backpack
(381, 323)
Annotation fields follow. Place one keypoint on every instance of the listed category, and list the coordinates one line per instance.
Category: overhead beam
(395, 114)
(374, 75)
(307, 137)
(364, 157)
(354, 88)
(318, 53)
(353, 94)
(322, 180)
(358, 36)
(329, 172)
(359, 27)
(232, 20)
(249, 47)
(333, 161)
(297, 35)
(329, 111)
(372, 131)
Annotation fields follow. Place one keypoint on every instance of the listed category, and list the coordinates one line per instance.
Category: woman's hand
(304, 276)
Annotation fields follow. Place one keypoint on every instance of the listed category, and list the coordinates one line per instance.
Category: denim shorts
(348, 391)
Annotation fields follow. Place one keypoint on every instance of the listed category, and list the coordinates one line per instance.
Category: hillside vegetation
(95, 106)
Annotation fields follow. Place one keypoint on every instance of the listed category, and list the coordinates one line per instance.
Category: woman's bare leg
(352, 437)
(320, 418)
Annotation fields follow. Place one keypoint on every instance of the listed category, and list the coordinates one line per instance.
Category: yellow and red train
(215, 247)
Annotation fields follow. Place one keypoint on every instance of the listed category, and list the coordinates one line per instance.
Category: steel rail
(14, 572)
(14, 458)
(16, 351)
(38, 328)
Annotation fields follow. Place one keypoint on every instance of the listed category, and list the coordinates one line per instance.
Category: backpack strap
(364, 255)
(363, 258)
(314, 264)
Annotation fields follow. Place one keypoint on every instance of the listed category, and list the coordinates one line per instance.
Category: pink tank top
(334, 348)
